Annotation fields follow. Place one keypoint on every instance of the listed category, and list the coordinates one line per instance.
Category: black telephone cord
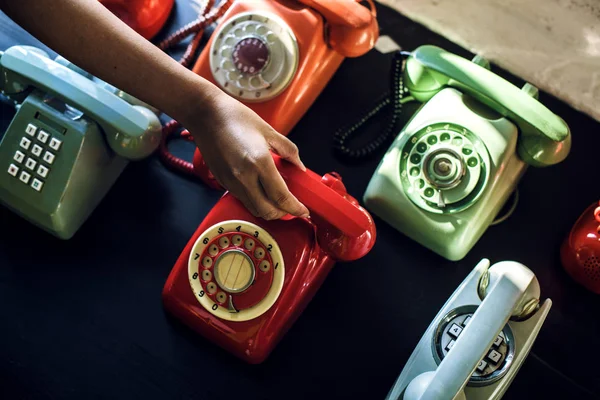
(393, 97)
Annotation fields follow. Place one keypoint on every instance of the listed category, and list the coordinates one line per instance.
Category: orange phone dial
(242, 281)
(146, 17)
(276, 56)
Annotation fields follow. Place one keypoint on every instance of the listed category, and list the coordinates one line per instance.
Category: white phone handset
(509, 293)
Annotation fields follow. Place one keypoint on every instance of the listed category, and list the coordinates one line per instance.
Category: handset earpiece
(132, 132)
(344, 229)
(353, 29)
(545, 137)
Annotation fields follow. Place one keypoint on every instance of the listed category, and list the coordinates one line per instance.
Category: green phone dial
(454, 165)
(69, 141)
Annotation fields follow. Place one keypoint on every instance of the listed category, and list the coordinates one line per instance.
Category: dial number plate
(439, 145)
(236, 270)
(254, 56)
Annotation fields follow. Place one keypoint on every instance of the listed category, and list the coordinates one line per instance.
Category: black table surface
(83, 319)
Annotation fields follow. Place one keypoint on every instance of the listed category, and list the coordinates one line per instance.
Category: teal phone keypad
(69, 141)
(32, 162)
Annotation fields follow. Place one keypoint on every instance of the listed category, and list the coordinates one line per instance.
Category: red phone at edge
(580, 251)
(242, 281)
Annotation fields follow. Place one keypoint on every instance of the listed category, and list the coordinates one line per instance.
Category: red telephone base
(146, 17)
(306, 267)
(580, 252)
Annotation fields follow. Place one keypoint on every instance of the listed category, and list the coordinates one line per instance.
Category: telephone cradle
(454, 165)
(69, 141)
(242, 281)
(580, 251)
(478, 341)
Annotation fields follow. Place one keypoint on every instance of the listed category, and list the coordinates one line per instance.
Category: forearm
(87, 34)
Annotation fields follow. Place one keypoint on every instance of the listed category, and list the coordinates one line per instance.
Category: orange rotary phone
(242, 281)
(276, 56)
(146, 17)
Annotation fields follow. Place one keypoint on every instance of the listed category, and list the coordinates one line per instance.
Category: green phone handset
(454, 165)
(69, 141)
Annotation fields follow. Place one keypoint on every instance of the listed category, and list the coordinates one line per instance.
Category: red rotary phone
(146, 17)
(580, 252)
(276, 56)
(242, 281)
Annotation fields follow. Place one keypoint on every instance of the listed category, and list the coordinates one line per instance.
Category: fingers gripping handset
(545, 137)
(338, 214)
(132, 132)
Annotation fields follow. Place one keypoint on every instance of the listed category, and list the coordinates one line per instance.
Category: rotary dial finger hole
(221, 297)
(211, 288)
(207, 262)
(213, 250)
(237, 240)
(249, 244)
(264, 266)
(206, 275)
(224, 242)
(259, 253)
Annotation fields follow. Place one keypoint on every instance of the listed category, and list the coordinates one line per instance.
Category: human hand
(236, 145)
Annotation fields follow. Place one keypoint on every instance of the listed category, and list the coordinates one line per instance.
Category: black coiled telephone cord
(393, 97)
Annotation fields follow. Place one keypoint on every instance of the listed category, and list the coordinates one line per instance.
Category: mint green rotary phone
(69, 141)
(454, 165)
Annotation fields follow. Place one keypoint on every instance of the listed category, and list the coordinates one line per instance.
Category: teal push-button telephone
(69, 141)
(454, 165)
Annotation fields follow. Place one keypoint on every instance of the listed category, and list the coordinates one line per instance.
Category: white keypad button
(466, 321)
(42, 171)
(24, 177)
(498, 341)
(31, 130)
(494, 356)
(19, 157)
(36, 150)
(37, 184)
(455, 330)
(49, 157)
(30, 164)
(481, 366)
(55, 144)
(450, 345)
(13, 169)
(43, 136)
(25, 143)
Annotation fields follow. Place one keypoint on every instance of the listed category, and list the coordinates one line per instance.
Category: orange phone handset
(353, 29)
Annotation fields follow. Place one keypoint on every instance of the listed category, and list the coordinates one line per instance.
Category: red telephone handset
(276, 56)
(242, 281)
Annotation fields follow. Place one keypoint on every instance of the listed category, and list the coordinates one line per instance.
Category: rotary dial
(444, 168)
(236, 270)
(254, 56)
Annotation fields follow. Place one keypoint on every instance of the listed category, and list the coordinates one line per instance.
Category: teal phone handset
(478, 341)
(69, 141)
(454, 165)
